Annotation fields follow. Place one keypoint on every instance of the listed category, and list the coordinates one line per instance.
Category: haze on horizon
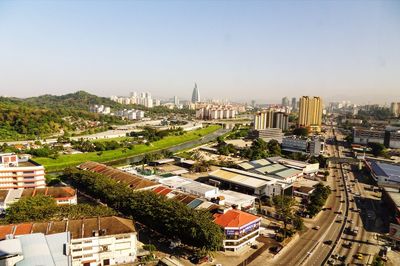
(236, 50)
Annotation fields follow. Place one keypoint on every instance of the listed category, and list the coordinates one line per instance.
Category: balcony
(228, 244)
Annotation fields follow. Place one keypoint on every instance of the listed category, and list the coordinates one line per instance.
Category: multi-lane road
(330, 243)
(311, 247)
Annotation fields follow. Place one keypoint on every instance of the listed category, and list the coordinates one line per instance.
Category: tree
(377, 149)
(298, 223)
(171, 217)
(35, 208)
(284, 209)
(301, 131)
(274, 147)
(318, 199)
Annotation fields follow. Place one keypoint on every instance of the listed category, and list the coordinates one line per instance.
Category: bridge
(348, 160)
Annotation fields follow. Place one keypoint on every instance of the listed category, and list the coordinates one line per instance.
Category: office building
(195, 94)
(91, 241)
(18, 172)
(310, 113)
(240, 229)
(313, 146)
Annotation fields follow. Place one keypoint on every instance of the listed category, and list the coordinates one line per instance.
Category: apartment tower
(310, 113)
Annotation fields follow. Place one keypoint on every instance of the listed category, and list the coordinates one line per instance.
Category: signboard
(394, 231)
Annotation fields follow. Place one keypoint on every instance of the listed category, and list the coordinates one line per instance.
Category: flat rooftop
(239, 177)
(394, 194)
(385, 169)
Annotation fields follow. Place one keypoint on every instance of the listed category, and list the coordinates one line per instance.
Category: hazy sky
(239, 50)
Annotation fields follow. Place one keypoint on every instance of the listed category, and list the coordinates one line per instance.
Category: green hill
(47, 115)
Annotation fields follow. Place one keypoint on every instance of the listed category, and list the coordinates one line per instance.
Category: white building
(190, 186)
(229, 198)
(91, 242)
(240, 229)
(302, 144)
(247, 182)
(20, 173)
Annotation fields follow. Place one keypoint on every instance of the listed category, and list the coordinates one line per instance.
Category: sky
(235, 50)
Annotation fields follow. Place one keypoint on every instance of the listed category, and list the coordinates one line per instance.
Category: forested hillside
(46, 115)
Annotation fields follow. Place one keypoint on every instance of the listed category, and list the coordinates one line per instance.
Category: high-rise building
(285, 101)
(271, 119)
(310, 113)
(264, 119)
(176, 100)
(395, 109)
(281, 120)
(294, 103)
(195, 94)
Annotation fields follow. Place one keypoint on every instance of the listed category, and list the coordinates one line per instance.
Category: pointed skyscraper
(195, 94)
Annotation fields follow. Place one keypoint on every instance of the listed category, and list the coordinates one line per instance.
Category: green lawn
(63, 161)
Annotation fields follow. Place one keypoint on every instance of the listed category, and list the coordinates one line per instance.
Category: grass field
(63, 161)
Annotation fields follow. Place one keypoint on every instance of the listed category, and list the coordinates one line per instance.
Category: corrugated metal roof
(36, 251)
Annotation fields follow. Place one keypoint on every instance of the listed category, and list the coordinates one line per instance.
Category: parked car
(359, 256)
(275, 249)
(316, 227)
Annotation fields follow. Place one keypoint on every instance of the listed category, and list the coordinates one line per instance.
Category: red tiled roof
(234, 218)
(5, 230)
(23, 229)
(133, 181)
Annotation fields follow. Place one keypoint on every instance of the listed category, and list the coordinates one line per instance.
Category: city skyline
(233, 50)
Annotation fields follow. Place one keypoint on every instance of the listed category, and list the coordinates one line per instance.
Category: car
(350, 221)
(316, 227)
(347, 245)
(275, 249)
(359, 256)
(335, 256)
(254, 246)
(339, 221)
(342, 201)
(328, 242)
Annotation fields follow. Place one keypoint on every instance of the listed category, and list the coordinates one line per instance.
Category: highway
(364, 242)
(309, 248)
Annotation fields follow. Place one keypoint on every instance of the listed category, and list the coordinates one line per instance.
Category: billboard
(394, 231)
